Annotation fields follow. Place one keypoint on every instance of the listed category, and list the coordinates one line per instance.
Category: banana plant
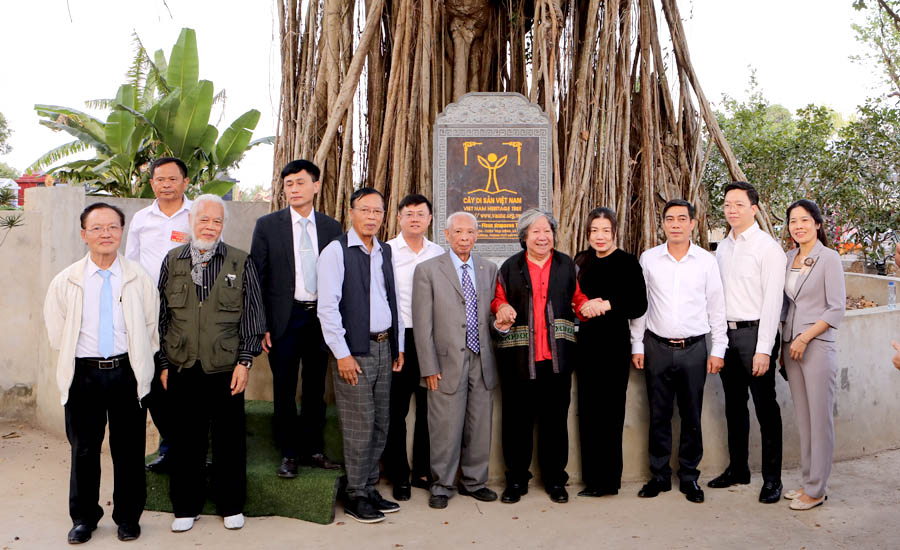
(164, 110)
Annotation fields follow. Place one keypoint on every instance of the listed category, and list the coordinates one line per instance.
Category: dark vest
(204, 331)
(516, 349)
(354, 305)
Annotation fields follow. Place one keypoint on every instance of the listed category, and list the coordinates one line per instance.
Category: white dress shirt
(405, 262)
(684, 298)
(300, 292)
(152, 234)
(88, 337)
(330, 273)
(752, 267)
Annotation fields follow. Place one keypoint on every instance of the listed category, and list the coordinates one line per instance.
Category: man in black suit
(286, 245)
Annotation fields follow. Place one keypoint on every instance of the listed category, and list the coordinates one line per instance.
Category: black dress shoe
(771, 492)
(319, 460)
(288, 469)
(129, 531)
(597, 492)
(402, 491)
(421, 483)
(728, 478)
(438, 502)
(559, 494)
(361, 510)
(382, 504)
(513, 493)
(692, 491)
(484, 494)
(160, 465)
(654, 487)
(80, 533)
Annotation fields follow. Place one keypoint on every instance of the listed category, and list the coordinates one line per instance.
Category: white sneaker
(234, 522)
(180, 525)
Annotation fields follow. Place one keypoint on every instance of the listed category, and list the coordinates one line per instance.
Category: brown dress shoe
(319, 460)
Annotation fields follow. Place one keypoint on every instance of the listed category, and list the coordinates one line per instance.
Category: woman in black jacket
(613, 281)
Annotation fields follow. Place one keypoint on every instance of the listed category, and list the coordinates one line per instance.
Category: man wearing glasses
(101, 314)
(409, 249)
(154, 231)
(360, 323)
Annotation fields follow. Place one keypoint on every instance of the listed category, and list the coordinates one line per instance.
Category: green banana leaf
(165, 116)
(217, 187)
(120, 123)
(235, 139)
(77, 118)
(79, 133)
(184, 62)
(191, 119)
(208, 140)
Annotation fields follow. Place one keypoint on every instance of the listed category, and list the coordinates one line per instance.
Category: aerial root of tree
(631, 125)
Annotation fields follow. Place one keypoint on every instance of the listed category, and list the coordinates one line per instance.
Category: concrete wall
(868, 395)
(873, 287)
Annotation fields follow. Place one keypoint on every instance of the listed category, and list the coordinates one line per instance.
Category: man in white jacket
(101, 314)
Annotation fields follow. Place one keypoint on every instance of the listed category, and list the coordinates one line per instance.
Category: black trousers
(95, 395)
(302, 341)
(157, 402)
(404, 385)
(675, 374)
(543, 401)
(737, 378)
(206, 411)
(602, 385)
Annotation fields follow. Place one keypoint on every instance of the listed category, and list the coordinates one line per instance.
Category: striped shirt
(253, 317)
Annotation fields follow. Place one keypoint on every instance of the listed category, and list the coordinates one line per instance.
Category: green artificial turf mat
(310, 496)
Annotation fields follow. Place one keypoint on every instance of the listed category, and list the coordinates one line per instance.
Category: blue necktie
(106, 337)
(307, 258)
(471, 310)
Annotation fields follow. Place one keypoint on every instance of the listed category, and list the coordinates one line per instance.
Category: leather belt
(104, 364)
(379, 336)
(734, 325)
(308, 306)
(678, 343)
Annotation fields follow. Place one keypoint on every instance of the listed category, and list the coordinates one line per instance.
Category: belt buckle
(382, 336)
(732, 325)
(111, 364)
(677, 343)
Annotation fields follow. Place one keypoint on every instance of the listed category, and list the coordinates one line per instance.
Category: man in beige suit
(451, 312)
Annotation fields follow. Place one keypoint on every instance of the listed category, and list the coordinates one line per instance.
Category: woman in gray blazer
(815, 299)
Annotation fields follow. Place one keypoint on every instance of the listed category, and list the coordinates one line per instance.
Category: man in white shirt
(410, 248)
(685, 303)
(752, 265)
(154, 231)
(101, 314)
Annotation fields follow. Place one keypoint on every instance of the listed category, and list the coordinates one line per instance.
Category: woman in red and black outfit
(536, 290)
(614, 282)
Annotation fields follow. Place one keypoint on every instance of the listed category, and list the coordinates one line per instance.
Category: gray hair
(527, 219)
(195, 206)
(460, 213)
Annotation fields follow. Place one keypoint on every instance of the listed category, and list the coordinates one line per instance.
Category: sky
(63, 52)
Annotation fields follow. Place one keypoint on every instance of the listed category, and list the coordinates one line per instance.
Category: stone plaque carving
(492, 157)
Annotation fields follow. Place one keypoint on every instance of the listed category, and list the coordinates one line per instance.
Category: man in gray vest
(211, 323)
(358, 314)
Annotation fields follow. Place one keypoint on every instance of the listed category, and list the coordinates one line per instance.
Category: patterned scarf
(199, 258)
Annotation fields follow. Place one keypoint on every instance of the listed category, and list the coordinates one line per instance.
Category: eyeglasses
(100, 229)
(377, 212)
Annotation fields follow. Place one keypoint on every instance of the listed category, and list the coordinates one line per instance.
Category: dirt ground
(861, 513)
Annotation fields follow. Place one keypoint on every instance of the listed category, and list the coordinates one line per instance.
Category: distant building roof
(39, 177)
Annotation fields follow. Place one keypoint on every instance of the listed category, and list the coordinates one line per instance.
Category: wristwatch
(246, 364)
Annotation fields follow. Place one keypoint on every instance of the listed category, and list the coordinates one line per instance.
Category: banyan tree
(363, 80)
